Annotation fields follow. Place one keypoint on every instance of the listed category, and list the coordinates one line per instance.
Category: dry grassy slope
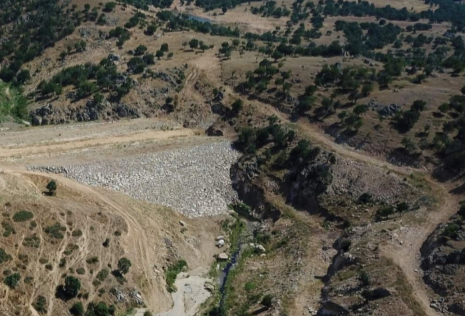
(150, 237)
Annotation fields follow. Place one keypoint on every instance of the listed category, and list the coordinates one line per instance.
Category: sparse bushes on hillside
(171, 274)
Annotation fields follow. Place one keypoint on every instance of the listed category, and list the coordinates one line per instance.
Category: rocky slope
(443, 263)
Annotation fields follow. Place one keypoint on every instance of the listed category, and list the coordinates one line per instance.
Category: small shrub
(92, 260)
(23, 216)
(365, 198)
(32, 225)
(267, 300)
(103, 274)
(43, 260)
(49, 267)
(70, 249)
(250, 286)
(77, 309)
(365, 278)
(40, 304)
(106, 243)
(345, 244)
(384, 211)
(4, 257)
(81, 271)
(172, 272)
(12, 280)
(452, 230)
(76, 233)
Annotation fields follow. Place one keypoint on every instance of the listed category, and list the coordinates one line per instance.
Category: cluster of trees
(93, 309)
(252, 139)
(208, 5)
(46, 23)
(88, 79)
(404, 121)
(259, 78)
(375, 36)
(445, 11)
(134, 20)
(195, 43)
(179, 22)
(356, 81)
(270, 9)
(121, 34)
(387, 210)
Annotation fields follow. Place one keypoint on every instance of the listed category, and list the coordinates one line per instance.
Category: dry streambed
(194, 180)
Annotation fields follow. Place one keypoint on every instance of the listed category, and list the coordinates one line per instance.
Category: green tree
(194, 43)
(123, 265)
(140, 50)
(72, 286)
(12, 280)
(52, 187)
(77, 309)
(164, 47)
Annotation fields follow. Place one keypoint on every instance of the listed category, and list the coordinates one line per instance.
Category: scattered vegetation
(171, 274)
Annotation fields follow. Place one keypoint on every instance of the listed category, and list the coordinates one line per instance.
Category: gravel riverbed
(195, 181)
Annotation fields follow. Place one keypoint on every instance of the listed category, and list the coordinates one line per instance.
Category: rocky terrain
(194, 181)
(443, 263)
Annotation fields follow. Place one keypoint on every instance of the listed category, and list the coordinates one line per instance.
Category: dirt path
(190, 295)
(94, 142)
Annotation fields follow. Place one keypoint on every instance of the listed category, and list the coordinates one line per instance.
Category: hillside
(83, 232)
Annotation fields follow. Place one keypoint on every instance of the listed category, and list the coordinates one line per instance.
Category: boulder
(36, 120)
(223, 257)
(260, 248)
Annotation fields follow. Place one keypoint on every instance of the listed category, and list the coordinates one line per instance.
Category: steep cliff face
(300, 185)
(443, 263)
(247, 178)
